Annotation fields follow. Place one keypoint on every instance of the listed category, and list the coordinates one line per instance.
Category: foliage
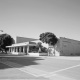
(44, 50)
(49, 38)
(33, 49)
(5, 40)
(39, 48)
(39, 44)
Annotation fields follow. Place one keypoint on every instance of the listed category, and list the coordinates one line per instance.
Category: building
(64, 47)
(68, 47)
(23, 45)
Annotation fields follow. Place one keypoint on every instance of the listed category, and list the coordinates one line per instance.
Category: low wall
(43, 54)
(38, 54)
(33, 54)
(57, 53)
(16, 53)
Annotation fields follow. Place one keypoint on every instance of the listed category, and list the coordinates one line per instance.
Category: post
(48, 51)
(9, 49)
(16, 49)
(24, 49)
(19, 49)
(27, 49)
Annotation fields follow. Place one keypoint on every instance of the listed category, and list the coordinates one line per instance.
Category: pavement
(39, 68)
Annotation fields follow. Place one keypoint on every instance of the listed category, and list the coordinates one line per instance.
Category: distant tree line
(5, 40)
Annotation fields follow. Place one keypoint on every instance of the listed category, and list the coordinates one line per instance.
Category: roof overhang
(22, 44)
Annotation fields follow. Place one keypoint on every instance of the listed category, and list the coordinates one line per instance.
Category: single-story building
(23, 45)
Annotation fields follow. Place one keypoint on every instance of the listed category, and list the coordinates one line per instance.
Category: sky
(30, 18)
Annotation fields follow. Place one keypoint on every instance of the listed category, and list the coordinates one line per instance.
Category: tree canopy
(5, 40)
(49, 38)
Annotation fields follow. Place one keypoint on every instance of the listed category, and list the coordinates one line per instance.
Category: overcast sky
(30, 18)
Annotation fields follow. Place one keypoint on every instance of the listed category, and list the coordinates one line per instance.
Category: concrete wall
(69, 47)
(38, 54)
(43, 54)
(33, 54)
(23, 39)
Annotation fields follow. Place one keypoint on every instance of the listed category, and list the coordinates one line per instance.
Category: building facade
(69, 47)
(64, 47)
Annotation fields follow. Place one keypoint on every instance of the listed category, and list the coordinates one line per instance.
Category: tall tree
(5, 40)
(49, 38)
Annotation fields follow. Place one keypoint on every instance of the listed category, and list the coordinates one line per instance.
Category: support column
(19, 49)
(27, 49)
(13, 49)
(24, 49)
(48, 51)
(9, 49)
(16, 49)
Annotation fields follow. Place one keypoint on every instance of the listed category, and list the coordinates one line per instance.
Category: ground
(39, 68)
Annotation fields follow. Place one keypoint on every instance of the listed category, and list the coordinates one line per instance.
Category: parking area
(49, 68)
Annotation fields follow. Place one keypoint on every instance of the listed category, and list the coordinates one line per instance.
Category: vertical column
(16, 49)
(27, 49)
(24, 49)
(48, 51)
(19, 49)
(13, 49)
(9, 49)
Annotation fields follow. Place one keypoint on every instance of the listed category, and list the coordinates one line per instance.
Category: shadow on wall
(23, 61)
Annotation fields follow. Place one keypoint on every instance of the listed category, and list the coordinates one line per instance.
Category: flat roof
(22, 44)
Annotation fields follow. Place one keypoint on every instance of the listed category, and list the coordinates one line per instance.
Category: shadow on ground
(22, 60)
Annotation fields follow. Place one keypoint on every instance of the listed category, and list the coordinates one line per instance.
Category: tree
(41, 48)
(49, 38)
(39, 45)
(5, 40)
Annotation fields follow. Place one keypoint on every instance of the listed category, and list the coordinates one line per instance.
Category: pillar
(19, 49)
(48, 51)
(9, 49)
(23, 49)
(27, 49)
(16, 49)
(13, 50)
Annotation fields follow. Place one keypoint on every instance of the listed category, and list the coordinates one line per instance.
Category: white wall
(69, 47)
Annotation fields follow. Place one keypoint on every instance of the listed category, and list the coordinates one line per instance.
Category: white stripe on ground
(22, 79)
(29, 70)
(54, 73)
(65, 58)
(35, 72)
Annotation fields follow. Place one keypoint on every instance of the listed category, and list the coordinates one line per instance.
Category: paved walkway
(40, 68)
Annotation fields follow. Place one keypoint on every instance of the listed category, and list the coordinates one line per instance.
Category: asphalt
(43, 67)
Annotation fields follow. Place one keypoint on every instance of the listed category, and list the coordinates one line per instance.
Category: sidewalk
(55, 57)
